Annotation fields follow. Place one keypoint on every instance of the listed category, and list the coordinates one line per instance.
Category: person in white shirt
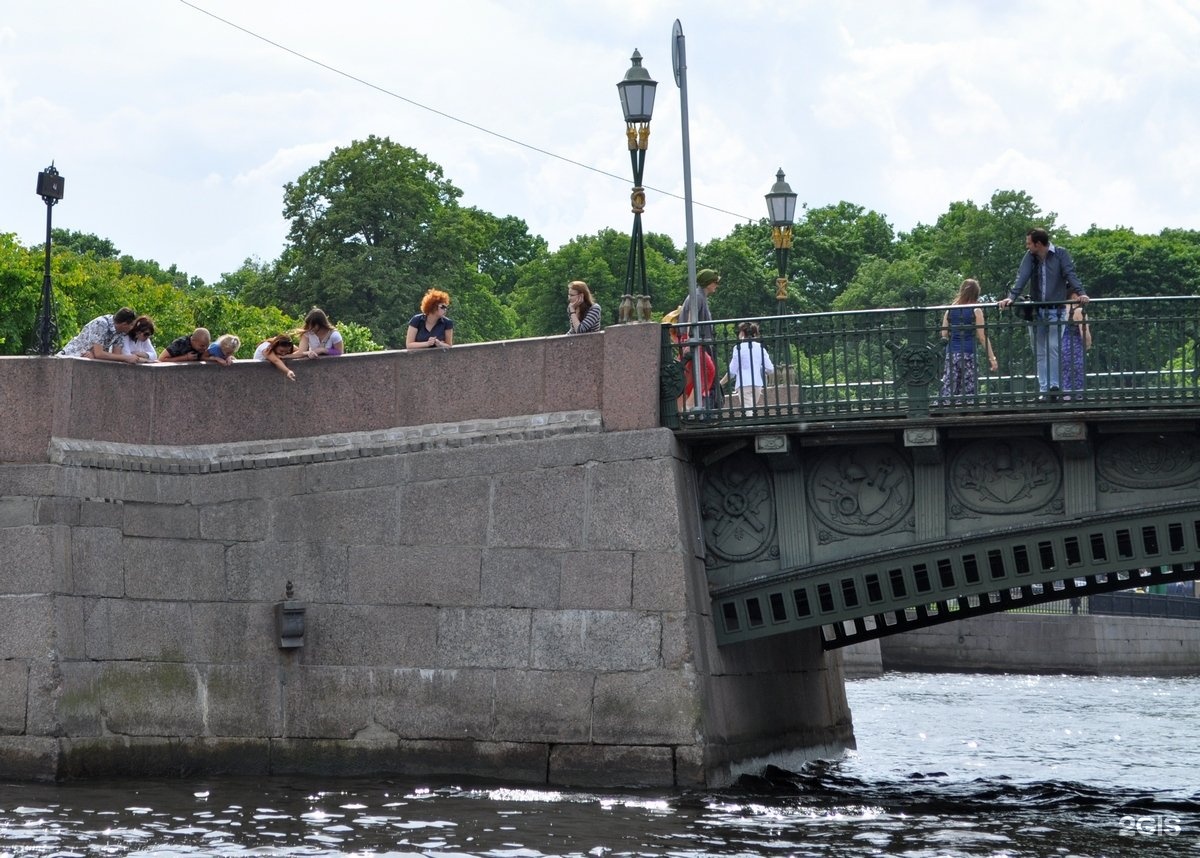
(319, 336)
(101, 337)
(749, 366)
(137, 341)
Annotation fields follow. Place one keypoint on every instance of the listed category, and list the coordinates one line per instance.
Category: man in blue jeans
(1053, 276)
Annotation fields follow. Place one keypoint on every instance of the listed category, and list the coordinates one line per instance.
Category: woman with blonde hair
(431, 328)
(962, 326)
(224, 348)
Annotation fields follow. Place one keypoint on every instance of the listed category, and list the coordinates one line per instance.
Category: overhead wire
(442, 113)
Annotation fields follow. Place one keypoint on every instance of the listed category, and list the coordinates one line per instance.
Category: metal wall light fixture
(289, 620)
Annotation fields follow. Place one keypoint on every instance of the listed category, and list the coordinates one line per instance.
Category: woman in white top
(137, 340)
(275, 351)
(749, 365)
(319, 337)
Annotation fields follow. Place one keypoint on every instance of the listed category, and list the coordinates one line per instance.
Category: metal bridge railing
(889, 363)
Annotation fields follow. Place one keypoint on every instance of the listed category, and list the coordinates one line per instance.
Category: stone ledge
(252, 455)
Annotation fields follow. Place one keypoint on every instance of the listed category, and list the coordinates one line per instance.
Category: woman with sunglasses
(137, 340)
(430, 328)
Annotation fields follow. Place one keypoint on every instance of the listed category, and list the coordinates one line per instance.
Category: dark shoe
(1053, 391)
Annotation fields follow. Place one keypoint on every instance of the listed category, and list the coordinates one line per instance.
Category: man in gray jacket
(1054, 282)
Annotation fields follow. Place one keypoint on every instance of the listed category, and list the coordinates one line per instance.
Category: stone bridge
(493, 560)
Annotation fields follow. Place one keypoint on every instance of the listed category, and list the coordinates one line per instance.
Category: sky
(176, 123)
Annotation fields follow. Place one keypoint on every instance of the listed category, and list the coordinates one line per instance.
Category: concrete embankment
(1037, 643)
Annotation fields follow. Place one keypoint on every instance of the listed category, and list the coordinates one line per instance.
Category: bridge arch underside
(871, 535)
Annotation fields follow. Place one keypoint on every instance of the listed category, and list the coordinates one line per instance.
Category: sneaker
(1066, 397)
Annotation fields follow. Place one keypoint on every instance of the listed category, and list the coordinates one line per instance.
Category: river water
(947, 765)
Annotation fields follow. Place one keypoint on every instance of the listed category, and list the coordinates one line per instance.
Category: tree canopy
(376, 224)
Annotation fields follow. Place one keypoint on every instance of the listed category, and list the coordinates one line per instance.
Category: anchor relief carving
(861, 491)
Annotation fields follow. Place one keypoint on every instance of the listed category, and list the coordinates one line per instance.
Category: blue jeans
(1045, 336)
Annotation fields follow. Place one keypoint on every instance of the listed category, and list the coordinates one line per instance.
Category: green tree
(540, 296)
(505, 245)
(746, 262)
(84, 243)
(373, 226)
(829, 245)
(985, 243)
(881, 283)
(20, 294)
(1120, 263)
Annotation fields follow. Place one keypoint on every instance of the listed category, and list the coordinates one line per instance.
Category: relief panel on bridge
(990, 477)
(860, 492)
(1148, 462)
(738, 509)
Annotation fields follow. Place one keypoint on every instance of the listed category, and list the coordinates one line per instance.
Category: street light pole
(637, 103)
(679, 65)
(781, 208)
(50, 188)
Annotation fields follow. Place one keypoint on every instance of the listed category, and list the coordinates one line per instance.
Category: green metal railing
(889, 363)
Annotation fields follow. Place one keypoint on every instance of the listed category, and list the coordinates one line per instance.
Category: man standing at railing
(1052, 274)
(708, 281)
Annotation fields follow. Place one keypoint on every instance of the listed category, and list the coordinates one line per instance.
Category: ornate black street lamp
(781, 209)
(50, 189)
(637, 103)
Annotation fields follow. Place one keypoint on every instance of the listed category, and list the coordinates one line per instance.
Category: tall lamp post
(637, 103)
(50, 189)
(781, 208)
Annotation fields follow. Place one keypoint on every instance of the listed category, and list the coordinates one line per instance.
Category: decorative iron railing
(890, 363)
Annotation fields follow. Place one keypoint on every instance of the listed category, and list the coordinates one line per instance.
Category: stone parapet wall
(613, 373)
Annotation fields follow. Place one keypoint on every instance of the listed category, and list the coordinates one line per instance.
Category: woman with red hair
(430, 328)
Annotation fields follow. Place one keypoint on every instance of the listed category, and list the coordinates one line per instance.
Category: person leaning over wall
(222, 350)
(275, 351)
(137, 341)
(319, 337)
(431, 328)
(193, 347)
(100, 337)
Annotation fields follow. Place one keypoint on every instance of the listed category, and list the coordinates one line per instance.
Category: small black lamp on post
(781, 208)
(50, 189)
(637, 103)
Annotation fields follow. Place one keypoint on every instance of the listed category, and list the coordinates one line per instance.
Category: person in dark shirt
(191, 348)
(431, 328)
